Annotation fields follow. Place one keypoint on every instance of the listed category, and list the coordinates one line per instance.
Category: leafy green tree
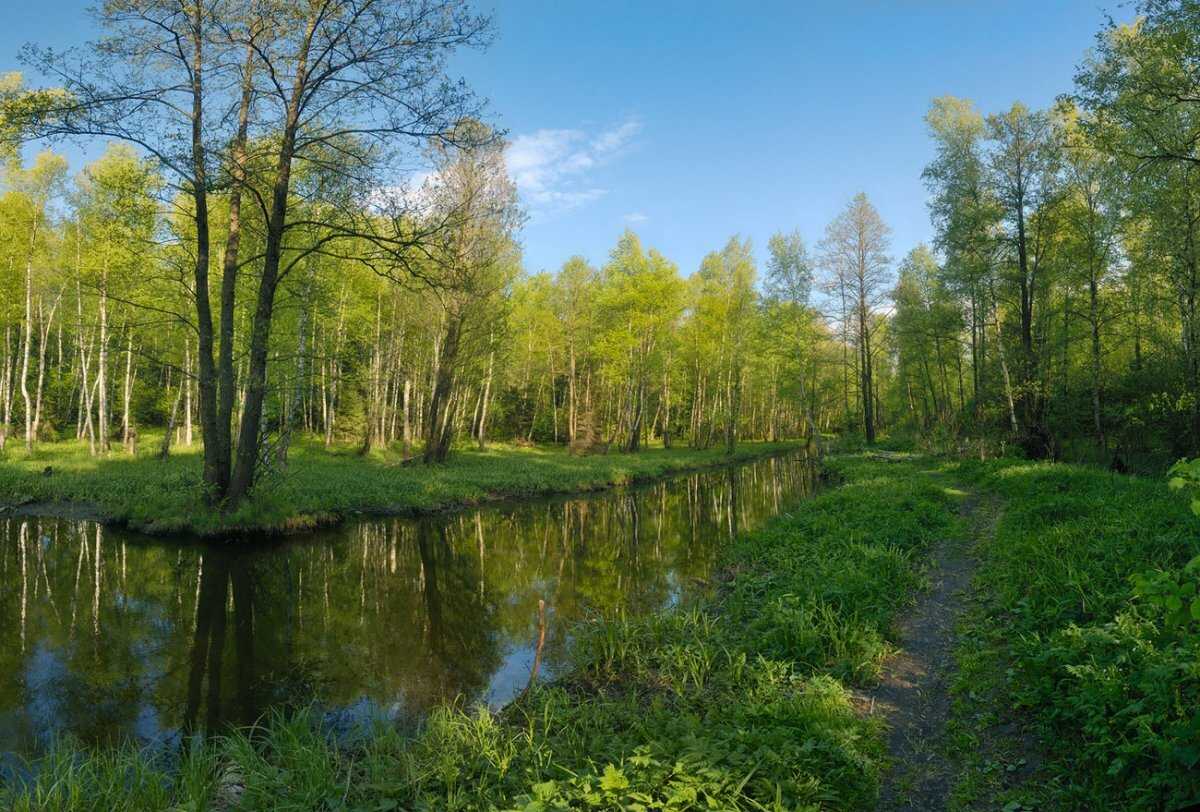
(854, 254)
(117, 217)
(640, 299)
(32, 191)
(725, 304)
(573, 294)
(789, 281)
(925, 328)
(1023, 166)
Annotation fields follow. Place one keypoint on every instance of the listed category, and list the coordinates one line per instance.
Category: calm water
(109, 635)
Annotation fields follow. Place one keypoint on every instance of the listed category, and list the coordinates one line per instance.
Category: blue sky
(693, 121)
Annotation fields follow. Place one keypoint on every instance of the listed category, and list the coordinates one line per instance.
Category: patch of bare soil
(913, 696)
(73, 511)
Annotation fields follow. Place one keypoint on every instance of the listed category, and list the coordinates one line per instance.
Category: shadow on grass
(321, 485)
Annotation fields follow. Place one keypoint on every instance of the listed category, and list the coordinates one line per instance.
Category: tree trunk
(865, 371)
(165, 451)
(1094, 318)
(407, 421)
(127, 391)
(6, 387)
(216, 474)
(102, 362)
(484, 399)
(438, 429)
(44, 336)
(187, 392)
(26, 344)
(234, 484)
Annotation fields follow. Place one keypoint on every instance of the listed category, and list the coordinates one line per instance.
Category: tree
(966, 219)
(337, 86)
(572, 301)
(116, 218)
(474, 261)
(925, 328)
(1023, 175)
(1141, 102)
(33, 189)
(640, 300)
(1141, 86)
(854, 253)
(789, 283)
(725, 304)
(1091, 219)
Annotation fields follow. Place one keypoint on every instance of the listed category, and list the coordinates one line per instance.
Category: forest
(922, 532)
(1055, 311)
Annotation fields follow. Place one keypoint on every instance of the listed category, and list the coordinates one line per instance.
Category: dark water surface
(109, 635)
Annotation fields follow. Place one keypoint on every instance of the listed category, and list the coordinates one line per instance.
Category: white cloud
(635, 217)
(413, 194)
(614, 139)
(550, 167)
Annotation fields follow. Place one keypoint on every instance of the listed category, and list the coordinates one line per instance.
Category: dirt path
(914, 693)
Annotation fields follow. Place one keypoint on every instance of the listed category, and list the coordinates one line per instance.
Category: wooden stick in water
(537, 656)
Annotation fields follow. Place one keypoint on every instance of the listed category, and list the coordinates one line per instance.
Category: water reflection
(109, 635)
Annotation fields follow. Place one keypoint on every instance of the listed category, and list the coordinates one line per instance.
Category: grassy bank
(1086, 633)
(319, 485)
(740, 701)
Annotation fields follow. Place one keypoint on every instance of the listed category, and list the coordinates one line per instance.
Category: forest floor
(914, 691)
(318, 486)
(1050, 663)
(1067, 604)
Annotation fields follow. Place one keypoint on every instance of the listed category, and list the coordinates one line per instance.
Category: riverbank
(743, 700)
(319, 486)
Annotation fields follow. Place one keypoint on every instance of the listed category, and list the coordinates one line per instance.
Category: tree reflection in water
(108, 635)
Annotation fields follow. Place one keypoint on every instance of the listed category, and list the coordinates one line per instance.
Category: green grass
(1103, 676)
(739, 701)
(322, 486)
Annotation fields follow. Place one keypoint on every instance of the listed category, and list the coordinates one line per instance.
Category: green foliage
(1089, 586)
(1185, 474)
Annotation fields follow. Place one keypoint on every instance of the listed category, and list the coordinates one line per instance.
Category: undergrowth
(1078, 635)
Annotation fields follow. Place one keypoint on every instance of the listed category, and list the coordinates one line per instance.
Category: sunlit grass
(1105, 686)
(321, 485)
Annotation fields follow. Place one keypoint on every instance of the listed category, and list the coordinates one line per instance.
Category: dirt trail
(913, 695)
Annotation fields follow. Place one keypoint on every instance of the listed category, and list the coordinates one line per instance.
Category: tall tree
(34, 189)
(475, 261)
(855, 254)
(640, 299)
(789, 282)
(1023, 174)
(1091, 222)
(726, 304)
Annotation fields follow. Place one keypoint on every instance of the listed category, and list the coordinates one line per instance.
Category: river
(109, 635)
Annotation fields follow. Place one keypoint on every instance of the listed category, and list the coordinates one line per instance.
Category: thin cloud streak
(550, 166)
